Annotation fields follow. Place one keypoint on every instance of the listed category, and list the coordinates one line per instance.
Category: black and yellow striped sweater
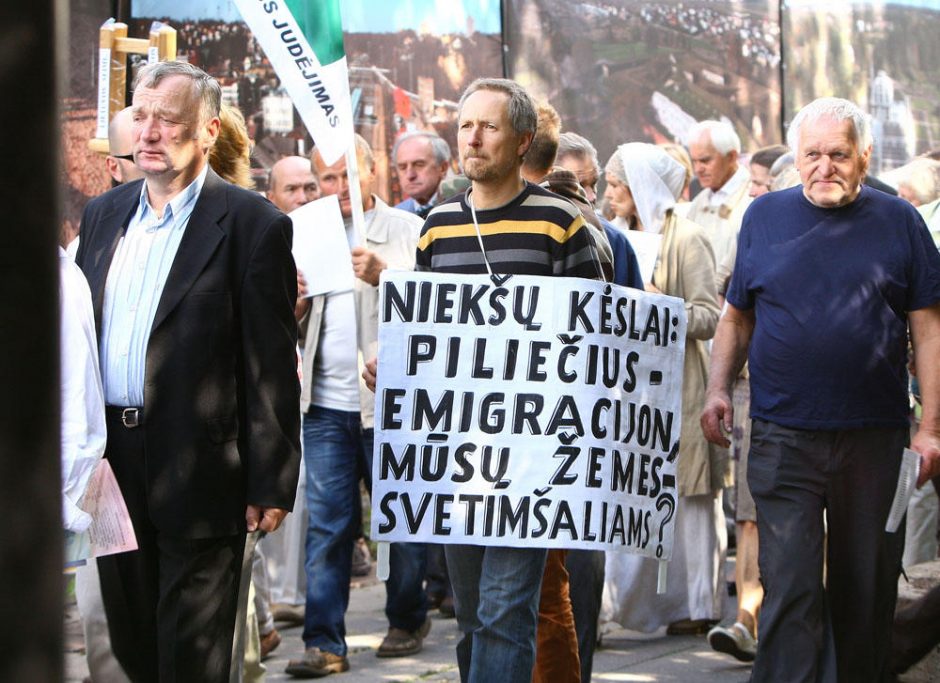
(537, 233)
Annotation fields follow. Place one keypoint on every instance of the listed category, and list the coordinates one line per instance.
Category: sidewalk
(623, 656)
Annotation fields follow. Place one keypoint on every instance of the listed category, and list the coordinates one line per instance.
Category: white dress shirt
(82, 427)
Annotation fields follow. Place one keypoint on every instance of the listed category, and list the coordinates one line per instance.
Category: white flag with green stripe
(303, 39)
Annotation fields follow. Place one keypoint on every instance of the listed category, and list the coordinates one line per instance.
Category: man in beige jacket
(338, 330)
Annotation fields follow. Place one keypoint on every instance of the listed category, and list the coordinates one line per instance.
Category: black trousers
(171, 604)
(840, 631)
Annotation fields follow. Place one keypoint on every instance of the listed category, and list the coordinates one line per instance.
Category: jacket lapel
(201, 239)
(102, 252)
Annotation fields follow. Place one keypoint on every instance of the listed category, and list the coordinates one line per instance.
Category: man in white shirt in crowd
(339, 330)
(719, 207)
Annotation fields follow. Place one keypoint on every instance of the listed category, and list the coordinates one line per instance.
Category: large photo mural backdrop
(616, 70)
(409, 61)
(885, 56)
(637, 70)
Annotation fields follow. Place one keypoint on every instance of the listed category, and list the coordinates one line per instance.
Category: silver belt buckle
(130, 417)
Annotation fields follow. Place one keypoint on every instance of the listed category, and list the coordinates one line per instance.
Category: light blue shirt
(135, 282)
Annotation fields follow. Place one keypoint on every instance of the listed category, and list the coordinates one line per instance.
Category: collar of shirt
(726, 191)
(177, 209)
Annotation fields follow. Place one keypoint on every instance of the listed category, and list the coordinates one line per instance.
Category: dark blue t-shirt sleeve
(739, 294)
(925, 265)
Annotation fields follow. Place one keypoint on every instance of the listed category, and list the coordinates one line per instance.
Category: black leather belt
(129, 417)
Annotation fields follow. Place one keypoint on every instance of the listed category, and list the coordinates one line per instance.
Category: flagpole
(355, 192)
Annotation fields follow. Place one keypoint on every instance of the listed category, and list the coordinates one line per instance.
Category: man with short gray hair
(829, 277)
(422, 158)
(502, 225)
(339, 330)
(194, 286)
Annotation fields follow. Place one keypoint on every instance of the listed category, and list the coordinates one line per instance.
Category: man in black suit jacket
(194, 286)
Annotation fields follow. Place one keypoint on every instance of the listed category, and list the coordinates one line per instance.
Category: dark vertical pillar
(30, 530)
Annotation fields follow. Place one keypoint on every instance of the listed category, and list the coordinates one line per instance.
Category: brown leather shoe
(269, 643)
(316, 663)
(400, 643)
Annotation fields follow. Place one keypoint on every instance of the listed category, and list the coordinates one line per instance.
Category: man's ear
(113, 168)
(866, 159)
(213, 127)
(525, 141)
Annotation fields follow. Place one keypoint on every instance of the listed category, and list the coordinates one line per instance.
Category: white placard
(319, 91)
(153, 54)
(321, 248)
(542, 412)
(646, 247)
(104, 91)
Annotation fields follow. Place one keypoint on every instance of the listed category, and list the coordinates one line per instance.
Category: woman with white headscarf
(643, 182)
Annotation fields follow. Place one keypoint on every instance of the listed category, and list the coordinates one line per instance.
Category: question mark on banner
(664, 501)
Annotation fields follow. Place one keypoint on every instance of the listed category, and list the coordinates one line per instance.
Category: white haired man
(719, 207)
(828, 277)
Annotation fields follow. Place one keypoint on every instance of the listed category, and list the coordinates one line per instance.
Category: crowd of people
(806, 290)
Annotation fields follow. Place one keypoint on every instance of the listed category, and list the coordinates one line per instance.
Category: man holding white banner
(339, 329)
(501, 226)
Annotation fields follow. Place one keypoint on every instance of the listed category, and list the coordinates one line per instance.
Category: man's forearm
(925, 336)
(729, 348)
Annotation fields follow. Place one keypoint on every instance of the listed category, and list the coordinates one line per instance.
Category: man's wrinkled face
(830, 164)
(712, 168)
(419, 174)
(168, 135)
(584, 169)
(335, 180)
(490, 150)
(292, 184)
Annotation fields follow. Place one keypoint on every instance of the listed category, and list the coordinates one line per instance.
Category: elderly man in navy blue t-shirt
(828, 278)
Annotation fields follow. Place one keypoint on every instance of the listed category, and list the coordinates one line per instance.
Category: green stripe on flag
(322, 25)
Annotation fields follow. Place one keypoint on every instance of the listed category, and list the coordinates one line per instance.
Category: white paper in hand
(321, 249)
(111, 530)
(907, 482)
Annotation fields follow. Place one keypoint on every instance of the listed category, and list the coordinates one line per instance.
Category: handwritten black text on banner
(540, 412)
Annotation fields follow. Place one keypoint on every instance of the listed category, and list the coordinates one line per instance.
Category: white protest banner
(646, 247)
(321, 249)
(541, 412)
(303, 40)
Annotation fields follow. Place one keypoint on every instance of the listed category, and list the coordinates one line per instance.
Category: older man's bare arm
(729, 353)
(925, 336)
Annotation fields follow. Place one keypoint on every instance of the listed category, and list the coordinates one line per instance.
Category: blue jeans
(496, 595)
(337, 453)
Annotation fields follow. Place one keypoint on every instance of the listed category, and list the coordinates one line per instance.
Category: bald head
(292, 184)
(120, 145)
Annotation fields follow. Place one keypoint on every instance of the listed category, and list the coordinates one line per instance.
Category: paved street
(622, 656)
